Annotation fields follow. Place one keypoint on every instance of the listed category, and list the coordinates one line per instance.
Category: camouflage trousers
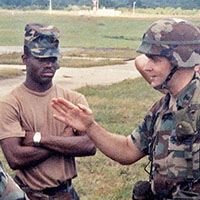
(63, 192)
(9, 190)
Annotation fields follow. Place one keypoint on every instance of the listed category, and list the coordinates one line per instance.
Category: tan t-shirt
(26, 110)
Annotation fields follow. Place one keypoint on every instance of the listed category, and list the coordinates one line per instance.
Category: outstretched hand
(77, 116)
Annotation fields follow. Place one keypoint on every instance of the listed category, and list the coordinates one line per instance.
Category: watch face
(37, 137)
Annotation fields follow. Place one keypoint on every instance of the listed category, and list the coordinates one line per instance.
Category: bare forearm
(117, 147)
(24, 156)
(34, 156)
(69, 146)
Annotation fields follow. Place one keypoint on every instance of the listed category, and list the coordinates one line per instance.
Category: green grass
(10, 73)
(81, 63)
(11, 58)
(76, 31)
(79, 31)
(103, 53)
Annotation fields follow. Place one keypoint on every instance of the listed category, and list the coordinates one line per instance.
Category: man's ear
(24, 59)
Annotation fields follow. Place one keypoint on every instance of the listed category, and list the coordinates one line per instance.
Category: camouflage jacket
(175, 153)
(9, 190)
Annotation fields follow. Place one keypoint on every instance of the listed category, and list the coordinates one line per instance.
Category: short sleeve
(9, 121)
(140, 135)
(143, 134)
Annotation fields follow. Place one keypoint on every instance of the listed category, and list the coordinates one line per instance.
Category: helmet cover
(176, 39)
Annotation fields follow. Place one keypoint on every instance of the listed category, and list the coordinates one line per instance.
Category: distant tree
(61, 4)
(106, 3)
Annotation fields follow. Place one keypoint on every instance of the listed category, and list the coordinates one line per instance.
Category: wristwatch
(37, 138)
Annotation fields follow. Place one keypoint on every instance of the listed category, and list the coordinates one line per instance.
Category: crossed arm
(21, 152)
(19, 156)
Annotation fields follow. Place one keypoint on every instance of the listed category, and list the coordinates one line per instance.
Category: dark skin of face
(40, 72)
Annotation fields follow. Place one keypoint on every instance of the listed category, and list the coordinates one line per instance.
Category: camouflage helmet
(176, 39)
(42, 40)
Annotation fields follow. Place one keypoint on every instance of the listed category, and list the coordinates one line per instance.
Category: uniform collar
(185, 98)
(187, 94)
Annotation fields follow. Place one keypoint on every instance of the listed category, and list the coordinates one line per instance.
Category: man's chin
(46, 80)
(156, 86)
(153, 85)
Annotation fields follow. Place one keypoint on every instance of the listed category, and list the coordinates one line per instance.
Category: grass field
(77, 31)
(10, 73)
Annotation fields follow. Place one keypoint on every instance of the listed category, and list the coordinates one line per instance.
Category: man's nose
(148, 66)
(49, 64)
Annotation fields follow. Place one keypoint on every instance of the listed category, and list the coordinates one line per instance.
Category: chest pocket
(187, 122)
(187, 140)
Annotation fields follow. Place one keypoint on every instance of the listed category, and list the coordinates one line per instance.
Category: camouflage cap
(42, 40)
(176, 39)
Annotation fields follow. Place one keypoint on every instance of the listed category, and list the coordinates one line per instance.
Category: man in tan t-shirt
(38, 147)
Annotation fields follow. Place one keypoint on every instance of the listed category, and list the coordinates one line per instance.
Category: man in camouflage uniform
(9, 190)
(40, 149)
(170, 131)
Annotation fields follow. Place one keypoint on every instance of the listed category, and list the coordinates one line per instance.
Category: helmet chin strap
(164, 84)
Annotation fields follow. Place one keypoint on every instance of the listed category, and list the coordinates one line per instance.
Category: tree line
(62, 4)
